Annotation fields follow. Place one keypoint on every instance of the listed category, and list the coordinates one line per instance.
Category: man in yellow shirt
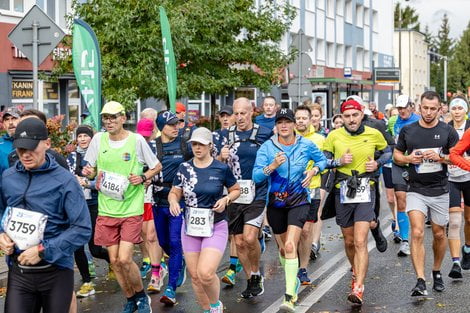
(352, 149)
(304, 127)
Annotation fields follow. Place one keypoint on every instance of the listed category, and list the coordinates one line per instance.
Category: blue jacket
(400, 123)
(6, 147)
(53, 191)
(285, 183)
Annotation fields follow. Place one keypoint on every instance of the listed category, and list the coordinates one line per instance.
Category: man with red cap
(351, 150)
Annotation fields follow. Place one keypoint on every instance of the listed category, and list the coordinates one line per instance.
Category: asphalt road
(387, 288)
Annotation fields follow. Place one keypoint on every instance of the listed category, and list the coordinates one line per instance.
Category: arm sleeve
(317, 156)
(261, 161)
(457, 152)
(91, 154)
(145, 153)
(385, 156)
(401, 143)
(230, 179)
(79, 231)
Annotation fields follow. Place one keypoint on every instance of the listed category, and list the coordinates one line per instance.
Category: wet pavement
(387, 288)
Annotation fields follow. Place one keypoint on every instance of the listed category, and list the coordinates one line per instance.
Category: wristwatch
(144, 178)
(41, 251)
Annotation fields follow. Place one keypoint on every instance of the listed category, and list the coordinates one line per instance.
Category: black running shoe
(248, 291)
(420, 289)
(438, 282)
(257, 286)
(380, 240)
(465, 262)
(456, 271)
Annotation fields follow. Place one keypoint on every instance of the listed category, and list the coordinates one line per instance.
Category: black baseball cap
(28, 133)
(285, 113)
(226, 109)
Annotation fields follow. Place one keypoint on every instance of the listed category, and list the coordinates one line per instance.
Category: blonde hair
(316, 106)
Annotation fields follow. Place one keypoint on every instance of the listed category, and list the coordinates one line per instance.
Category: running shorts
(111, 230)
(280, 218)
(350, 213)
(197, 244)
(241, 214)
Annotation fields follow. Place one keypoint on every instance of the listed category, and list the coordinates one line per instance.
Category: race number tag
(86, 193)
(455, 171)
(247, 191)
(199, 222)
(362, 192)
(24, 227)
(428, 166)
(112, 185)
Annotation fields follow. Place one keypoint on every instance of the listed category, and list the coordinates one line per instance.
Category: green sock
(282, 260)
(146, 260)
(214, 305)
(291, 269)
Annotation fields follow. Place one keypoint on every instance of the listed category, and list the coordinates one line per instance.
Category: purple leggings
(217, 241)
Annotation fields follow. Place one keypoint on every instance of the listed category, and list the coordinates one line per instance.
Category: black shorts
(348, 214)
(399, 183)
(312, 215)
(241, 214)
(30, 290)
(280, 218)
(387, 174)
(456, 190)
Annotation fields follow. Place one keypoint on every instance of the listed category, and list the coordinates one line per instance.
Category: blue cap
(166, 118)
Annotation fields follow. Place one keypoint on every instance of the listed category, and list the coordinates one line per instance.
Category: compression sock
(291, 269)
(233, 263)
(156, 270)
(404, 225)
(282, 260)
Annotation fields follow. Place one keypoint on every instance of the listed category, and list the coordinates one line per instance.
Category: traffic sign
(36, 35)
(387, 74)
(302, 69)
(348, 72)
(49, 34)
(299, 88)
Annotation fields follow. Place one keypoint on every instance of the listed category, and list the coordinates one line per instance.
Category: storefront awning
(340, 81)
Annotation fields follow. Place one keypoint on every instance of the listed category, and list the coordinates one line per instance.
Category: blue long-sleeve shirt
(55, 192)
(285, 183)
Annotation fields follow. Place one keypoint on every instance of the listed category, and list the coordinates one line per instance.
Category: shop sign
(22, 89)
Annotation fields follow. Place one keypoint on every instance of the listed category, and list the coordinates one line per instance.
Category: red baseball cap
(180, 107)
(145, 127)
(350, 105)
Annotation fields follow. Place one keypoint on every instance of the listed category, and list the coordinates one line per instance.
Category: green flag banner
(86, 62)
(169, 55)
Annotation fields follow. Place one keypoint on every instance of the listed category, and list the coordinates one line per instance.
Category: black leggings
(29, 291)
(96, 251)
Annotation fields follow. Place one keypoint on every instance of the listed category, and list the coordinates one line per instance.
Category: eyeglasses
(110, 117)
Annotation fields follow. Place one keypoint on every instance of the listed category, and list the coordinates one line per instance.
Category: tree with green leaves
(406, 18)
(444, 45)
(219, 45)
(459, 65)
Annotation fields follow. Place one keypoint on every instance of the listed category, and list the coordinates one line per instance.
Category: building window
(12, 5)
(320, 50)
(375, 21)
(360, 59)
(348, 56)
(367, 59)
(331, 8)
(339, 54)
(340, 7)
(321, 4)
(330, 54)
(359, 16)
(56, 9)
(348, 11)
(366, 16)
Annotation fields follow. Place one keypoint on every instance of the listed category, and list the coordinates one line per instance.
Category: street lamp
(399, 43)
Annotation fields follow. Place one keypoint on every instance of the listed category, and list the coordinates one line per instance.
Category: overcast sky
(431, 11)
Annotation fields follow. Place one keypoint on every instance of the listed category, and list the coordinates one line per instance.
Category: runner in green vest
(117, 157)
